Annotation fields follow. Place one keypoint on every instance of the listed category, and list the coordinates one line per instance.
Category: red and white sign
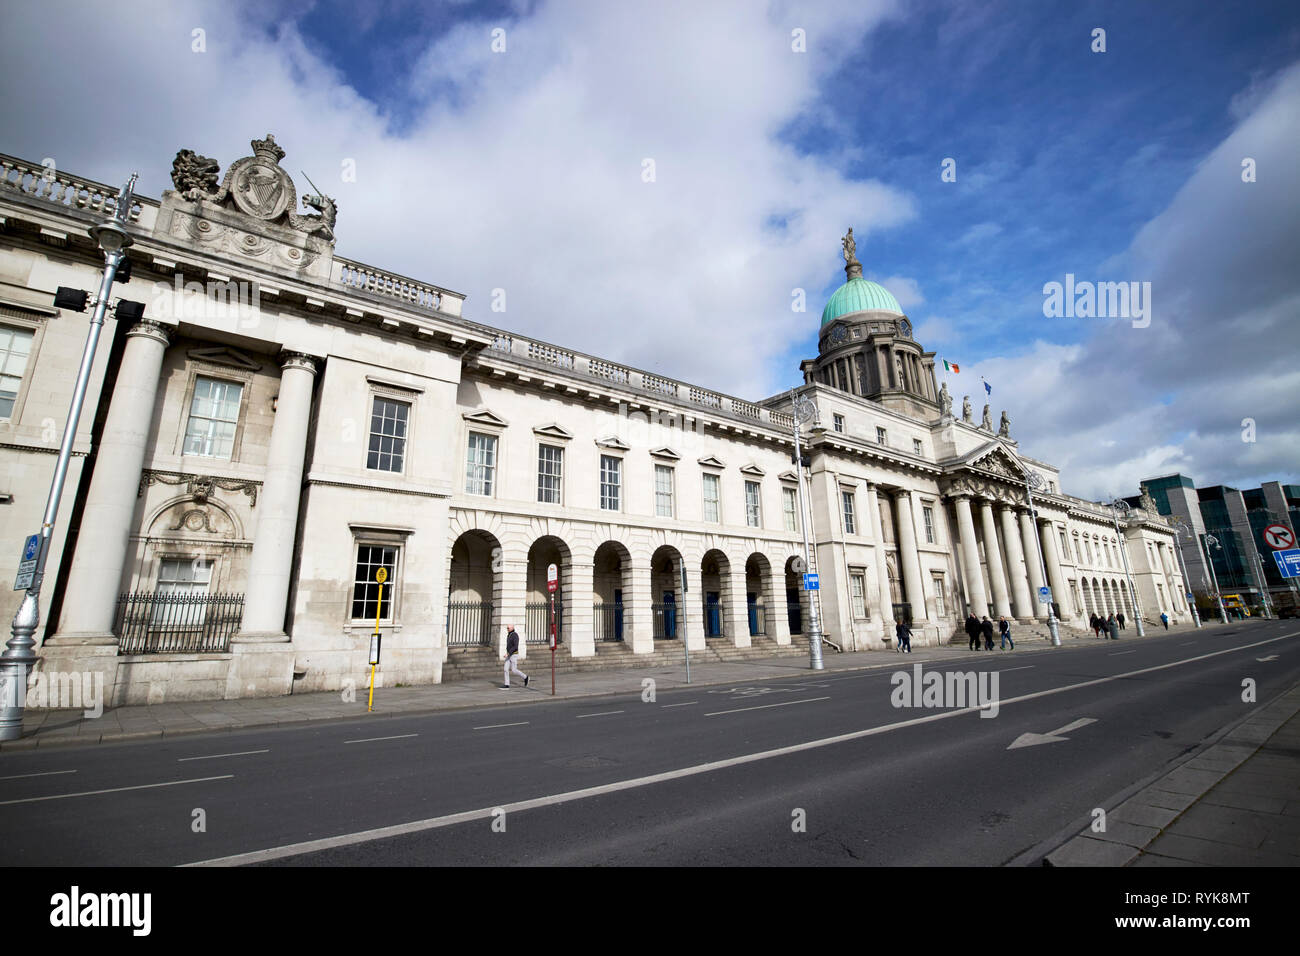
(1279, 537)
(552, 578)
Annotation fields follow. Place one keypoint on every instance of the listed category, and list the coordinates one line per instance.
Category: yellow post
(381, 576)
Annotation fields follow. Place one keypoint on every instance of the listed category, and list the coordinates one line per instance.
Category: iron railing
(537, 622)
(469, 623)
(609, 621)
(715, 623)
(667, 622)
(153, 622)
(757, 620)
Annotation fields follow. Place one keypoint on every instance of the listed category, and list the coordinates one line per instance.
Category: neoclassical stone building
(284, 422)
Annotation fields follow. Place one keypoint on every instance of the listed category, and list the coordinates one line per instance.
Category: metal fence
(152, 622)
(469, 623)
(757, 620)
(537, 622)
(667, 622)
(608, 620)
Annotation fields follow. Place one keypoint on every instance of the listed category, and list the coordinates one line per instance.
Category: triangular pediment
(665, 452)
(996, 460)
(614, 442)
(232, 358)
(753, 470)
(787, 476)
(553, 431)
(486, 418)
(709, 461)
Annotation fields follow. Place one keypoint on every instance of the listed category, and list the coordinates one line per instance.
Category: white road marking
(242, 753)
(517, 723)
(1188, 644)
(687, 704)
(91, 793)
(603, 713)
(1020, 668)
(1051, 737)
(47, 773)
(784, 703)
(488, 813)
(1271, 657)
(370, 740)
(1118, 653)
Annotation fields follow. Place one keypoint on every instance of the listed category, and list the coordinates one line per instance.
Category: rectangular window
(1065, 547)
(881, 437)
(365, 589)
(214, 414)
(611, 481)
(838, 422)
(858, 587)
(550, 469)
(712, 509)
(481, 464)
(916, 446)
(940, 607)
(753, 505)
(927, 513)
(790, 505)
(180, 578)
(15, 346)
(850, 527)
(388, 420)
(663, 491)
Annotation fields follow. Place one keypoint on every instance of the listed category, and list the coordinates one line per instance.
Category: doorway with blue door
(715, 585)
(665, 590)
(611, 614)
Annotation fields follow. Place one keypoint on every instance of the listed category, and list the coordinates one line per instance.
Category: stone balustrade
(355, 275)
(70, 192)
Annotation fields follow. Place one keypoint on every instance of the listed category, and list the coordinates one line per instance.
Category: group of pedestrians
(977, 630)
(1112, 625)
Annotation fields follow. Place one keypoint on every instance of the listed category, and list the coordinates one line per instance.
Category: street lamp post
(1118, 506)
(802, 410)
(1179, 531)
(19, 656)
(1212, 542)
(1263, 583)
(1034, 480)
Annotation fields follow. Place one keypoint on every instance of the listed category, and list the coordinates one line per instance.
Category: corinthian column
(267, 592)
(1022, 601)
(1056, 580)
(96, 573)
(911, 560)
(882, 569)
(1031, 561)
(970, 558)
(993, 557)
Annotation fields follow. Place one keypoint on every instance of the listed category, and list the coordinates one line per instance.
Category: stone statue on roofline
(1004, 427)
(965, 409)
(987, 422)
(945, 402)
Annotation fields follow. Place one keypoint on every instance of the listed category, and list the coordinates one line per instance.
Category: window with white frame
(790, 507)
(550, 473)
(181, 582)
(1065, 547)
(481, 464)
(858, 589)
(15, 347)
(850, 512)
(927, 515)
(663, 491)
(214, 417)
(837, 422)
(753, 505)
(611, 482)
(712, 502)
(916, 446)
(388, 422)
(882, 438)
(940, 606)
(365, 589)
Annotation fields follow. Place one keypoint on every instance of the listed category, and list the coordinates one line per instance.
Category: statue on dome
(850, 247)
(1004, 427)
(945, 402)
(965, 409)
(987, 423)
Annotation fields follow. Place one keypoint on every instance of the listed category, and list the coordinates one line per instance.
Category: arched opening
(758, 584)
(1088, 606)
(715, 582)
(665, 593)
(545, 551)
(473, 589)
(796, 598)
(611, 586)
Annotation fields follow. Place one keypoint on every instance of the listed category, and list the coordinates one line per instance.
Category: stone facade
(283, 422)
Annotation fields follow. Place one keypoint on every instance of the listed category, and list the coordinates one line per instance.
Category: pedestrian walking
(1164, 619)
(1120, 617)
(904, 634)
(1005, 629)
(1096, 625)
(986, 628)
(1112, 627)
(973, 631)
(512, 651)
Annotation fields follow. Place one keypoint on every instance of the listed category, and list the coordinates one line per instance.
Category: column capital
(902, 492)
(152, 330)
(300, 360)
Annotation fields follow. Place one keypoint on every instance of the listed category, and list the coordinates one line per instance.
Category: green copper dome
(858, 295)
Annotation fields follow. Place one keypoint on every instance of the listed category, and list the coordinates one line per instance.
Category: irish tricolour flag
(951, 367)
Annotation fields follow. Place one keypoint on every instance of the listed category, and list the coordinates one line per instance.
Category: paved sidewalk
(45, 728)
(1237, 803)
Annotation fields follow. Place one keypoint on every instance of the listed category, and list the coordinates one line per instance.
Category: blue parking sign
(1288, 562)
(810, 582)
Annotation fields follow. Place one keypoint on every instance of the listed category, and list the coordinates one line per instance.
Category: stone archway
(666, 598)
(796, 597)
(545, 551)
(612, 592)
(716, 599)
(474, 589)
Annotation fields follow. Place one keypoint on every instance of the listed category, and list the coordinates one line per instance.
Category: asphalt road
(909, 785)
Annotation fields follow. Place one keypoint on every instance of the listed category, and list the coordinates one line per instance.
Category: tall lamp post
(1034, 480)
(18, 658)
(802, 410)
(1119, 506)
(1179, 531)
(1212, 542)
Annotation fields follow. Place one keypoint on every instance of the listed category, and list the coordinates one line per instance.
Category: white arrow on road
(1271, 657)
(1029, 740)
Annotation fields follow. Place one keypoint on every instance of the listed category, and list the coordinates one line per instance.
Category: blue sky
(522, 170)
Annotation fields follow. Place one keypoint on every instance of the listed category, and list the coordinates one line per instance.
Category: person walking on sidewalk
(904, 634)
(1112, 627)
(1120, 617)
(1164, 619)
(1005, 630)
(986, 628)
(512, 651)
(973, 631)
